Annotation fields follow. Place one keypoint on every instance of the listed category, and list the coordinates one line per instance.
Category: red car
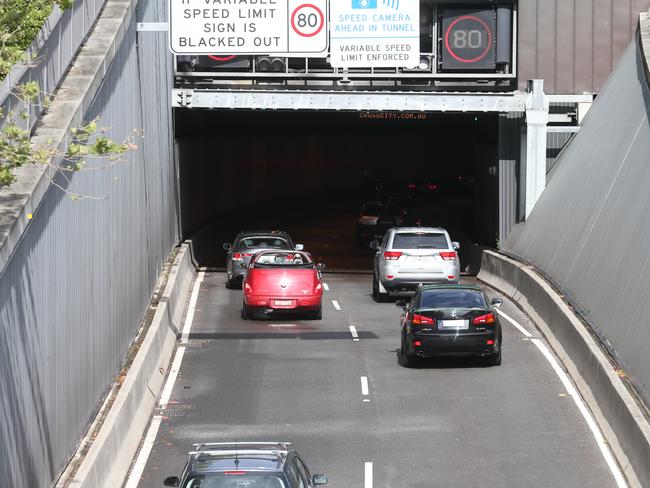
(286, 281)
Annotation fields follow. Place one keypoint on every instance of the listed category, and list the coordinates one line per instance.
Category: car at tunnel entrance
(284, 282)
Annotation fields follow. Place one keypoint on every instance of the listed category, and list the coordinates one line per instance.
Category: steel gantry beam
(398, 101)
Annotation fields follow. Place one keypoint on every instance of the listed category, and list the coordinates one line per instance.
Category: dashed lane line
(336, 304)
(355, 334)
(367, 475)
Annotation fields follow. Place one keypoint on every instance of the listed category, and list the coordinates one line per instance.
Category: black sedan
(450, 320)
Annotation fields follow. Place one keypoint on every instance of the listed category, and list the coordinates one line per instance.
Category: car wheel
(408, 360)
(246, 312)
(494, 359)
(317, 314)
(376, 294)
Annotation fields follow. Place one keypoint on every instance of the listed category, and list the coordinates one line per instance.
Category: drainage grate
(175, 411)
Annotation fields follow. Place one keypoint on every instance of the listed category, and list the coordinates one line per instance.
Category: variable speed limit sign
(228, 27)
(468, 40)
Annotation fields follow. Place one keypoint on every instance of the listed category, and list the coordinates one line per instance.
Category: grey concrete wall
(75, 280)
(590, 229)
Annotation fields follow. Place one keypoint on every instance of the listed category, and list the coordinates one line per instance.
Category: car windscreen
(452, 299)
(266, 242)
(420, 240)
(280, 259)
(237, 479)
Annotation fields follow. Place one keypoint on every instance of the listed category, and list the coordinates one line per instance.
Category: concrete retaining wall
(620, 416)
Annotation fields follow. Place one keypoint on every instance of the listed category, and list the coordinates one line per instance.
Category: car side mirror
(299, 247)
(321, 266)
(496, 302)
(401, 303)
(374, 245)
(455, 245)
(172, 481)
(319, 479)
(227, 246)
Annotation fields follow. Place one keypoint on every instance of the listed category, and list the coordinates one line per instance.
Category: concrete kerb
(620, 416)
(107, 462)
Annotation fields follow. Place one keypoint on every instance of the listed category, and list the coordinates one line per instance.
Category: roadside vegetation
(20, 22)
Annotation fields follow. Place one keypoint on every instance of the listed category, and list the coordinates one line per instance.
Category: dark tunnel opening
(309, 173)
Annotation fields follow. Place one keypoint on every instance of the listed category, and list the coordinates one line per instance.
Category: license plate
(454, 324)
(283, 303)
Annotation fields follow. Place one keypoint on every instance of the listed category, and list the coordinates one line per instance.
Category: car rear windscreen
(282, 259)
(267, 242)
(237, 479)
(420, 240)
(452, 299)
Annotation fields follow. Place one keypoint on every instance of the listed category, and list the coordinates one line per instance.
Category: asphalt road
(449, 423)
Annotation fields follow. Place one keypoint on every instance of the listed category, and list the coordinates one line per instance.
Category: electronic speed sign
(468, 39)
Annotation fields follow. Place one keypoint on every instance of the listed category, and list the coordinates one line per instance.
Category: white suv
(411, 256)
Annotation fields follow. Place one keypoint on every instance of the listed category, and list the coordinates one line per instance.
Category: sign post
(375, 33)
(280, 27)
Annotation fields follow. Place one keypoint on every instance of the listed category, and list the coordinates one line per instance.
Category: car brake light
(417, 343)
(234, 472)
(488, 318)
(236, 256)
(392, 255)
(432, 187)
(422, 320)
(448, 255)
(247, 254)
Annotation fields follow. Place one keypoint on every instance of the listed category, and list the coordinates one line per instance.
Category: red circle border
(293, 19)
(483, 54)
(221, 58)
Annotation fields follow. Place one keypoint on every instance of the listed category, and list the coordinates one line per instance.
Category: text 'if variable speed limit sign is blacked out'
(291, 27)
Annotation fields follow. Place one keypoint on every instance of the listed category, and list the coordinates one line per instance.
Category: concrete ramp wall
(590, 231)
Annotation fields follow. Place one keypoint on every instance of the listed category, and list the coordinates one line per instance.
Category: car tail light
(490, 342)
(392, 255)
(432, 187)
(368, 220)
(412, 186)
(247, 254)
(488, 318)
(318, 286)
(236, 256)
(247, 288)
(234, 472)
(417, 343)
(448, 255)
(422, 320)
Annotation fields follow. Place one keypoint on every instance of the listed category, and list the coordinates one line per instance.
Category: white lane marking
(154, 427)
(355, 334)
(582, 407)
(513, 322)
(143, 456)
(326, 286)
(367, 475)
(336, 304)
(364, 386)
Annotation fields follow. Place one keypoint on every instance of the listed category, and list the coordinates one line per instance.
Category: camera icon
(364, 4)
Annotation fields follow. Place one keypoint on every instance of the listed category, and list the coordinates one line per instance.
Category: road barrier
(621, 416)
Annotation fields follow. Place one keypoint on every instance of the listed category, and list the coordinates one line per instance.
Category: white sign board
(375, 33)
(296, 27)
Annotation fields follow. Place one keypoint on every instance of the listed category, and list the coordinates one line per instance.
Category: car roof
(250, 233)
(418, 229)
(450, 287)
(249, 456)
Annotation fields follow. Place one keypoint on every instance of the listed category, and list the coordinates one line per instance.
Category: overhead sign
(230, 27)
(375, 33)
(468, 39)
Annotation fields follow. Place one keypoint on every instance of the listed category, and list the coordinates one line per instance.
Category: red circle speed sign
(307, 20)
(484, 29)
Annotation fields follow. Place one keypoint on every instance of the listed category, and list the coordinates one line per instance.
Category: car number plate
(283, 303)
(454, 324)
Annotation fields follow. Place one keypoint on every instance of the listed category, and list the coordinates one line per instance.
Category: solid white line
(367, 475)
(152, 432)
(513, 322)
(355, 334)
(143, 455)
(582, 407)
(364, 386)
(326, 286)
(336, 305)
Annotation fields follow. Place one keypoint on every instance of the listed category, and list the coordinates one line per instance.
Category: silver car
(410, 256)
(246, 245)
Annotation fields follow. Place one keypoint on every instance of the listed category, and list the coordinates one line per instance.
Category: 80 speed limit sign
(308, 26)
(307, 20)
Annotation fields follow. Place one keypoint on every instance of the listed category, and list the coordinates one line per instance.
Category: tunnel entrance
(310, 173)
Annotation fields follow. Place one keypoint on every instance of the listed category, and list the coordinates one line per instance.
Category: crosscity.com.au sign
(248, 27)
(375, 33)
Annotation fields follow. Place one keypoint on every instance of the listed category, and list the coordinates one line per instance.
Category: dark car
(245, 464)
(374, 219)
(450, 320)
(247, 244)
